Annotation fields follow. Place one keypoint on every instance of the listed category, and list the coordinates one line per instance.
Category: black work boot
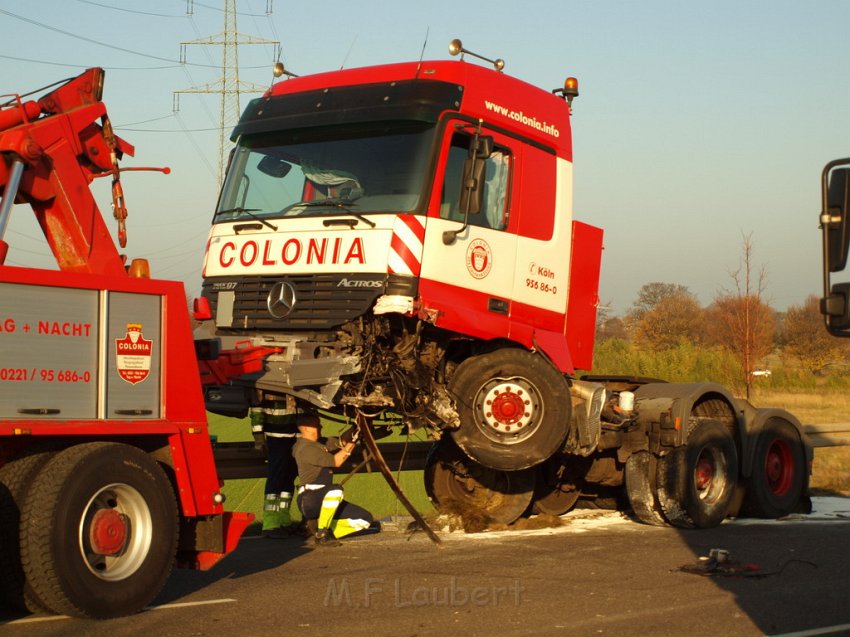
(324, 537)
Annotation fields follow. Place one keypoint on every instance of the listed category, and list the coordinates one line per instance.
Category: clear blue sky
(697, 122)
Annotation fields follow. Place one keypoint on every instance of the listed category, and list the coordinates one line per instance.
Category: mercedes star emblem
(281, 299)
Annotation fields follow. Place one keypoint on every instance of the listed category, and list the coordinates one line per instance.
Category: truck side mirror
(836, 206)
(472, 185)
(472, 180)
(836, 309)
(834, 222)
(483, 149)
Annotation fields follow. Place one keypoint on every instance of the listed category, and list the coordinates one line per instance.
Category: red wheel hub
(779, 467)
(508, 407)
(704, 472)
(108, 532)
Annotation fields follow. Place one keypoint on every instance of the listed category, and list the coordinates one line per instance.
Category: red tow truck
(107, 477)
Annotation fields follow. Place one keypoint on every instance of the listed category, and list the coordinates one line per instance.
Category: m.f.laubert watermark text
(375, 591)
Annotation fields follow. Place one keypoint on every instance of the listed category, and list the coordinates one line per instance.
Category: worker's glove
(350, 435)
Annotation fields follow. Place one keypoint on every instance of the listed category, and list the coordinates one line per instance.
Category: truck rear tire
(16, 476)
(642, 488)
(779, 472)
(99, 531)
(456, 484)
(514, 409)
(696, 482)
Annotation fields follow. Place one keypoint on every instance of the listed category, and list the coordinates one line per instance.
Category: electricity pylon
(228, 86)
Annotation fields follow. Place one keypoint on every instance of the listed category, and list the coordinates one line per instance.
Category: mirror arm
(450, 236)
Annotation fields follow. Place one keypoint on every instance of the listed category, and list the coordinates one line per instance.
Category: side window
(494, 205)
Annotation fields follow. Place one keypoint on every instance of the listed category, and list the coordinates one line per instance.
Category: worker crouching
(319, 499)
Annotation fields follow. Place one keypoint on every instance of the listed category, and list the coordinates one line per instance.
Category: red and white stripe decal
(406, 246)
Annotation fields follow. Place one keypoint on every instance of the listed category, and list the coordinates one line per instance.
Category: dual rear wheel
(693, 486)
(96, 526)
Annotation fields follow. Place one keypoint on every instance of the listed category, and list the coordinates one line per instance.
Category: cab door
(470, 248)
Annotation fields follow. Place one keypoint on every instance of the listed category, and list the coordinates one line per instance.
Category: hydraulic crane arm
(52, 149)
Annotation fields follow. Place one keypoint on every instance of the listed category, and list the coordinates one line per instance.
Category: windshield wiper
(339, 204)
(250, 212)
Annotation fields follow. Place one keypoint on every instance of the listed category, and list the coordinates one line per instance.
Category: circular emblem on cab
(479, 258)
(281, 299)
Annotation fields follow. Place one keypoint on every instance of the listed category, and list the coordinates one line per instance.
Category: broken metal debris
(718, 563)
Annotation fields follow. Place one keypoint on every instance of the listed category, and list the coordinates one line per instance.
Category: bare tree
(742, 319)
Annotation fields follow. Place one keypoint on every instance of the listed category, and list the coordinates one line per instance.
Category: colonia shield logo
(479, 258)
(133, 355)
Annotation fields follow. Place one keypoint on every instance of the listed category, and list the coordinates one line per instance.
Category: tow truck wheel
(99, 531)
(778, 480)
(642, 488)
(16, 476)
(453, 481)
(514, 409)
(696, 482)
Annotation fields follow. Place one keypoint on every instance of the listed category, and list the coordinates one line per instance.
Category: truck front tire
(99, 531)
(514, 409)
(456, 484)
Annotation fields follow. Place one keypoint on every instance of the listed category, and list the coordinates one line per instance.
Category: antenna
(422, 54)
(345, 59)
(456, 47)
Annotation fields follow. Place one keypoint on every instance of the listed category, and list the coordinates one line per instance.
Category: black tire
(642, 488)
(696, 482)
(557, 486)
(455, 483)
(99, 531)
(16, 476)
(779, 472)
(514, 409)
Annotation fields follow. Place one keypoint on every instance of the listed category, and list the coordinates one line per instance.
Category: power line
(167, 130)
(88, 66)
(104, 44)
(257, 15)
(156, 15)
(153, 119)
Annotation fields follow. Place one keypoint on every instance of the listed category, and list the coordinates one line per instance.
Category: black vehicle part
(16, 477)
(642, 488)
(453, 481)
(99, 531)
(514, 408)
(696, 481)
(778, 480)
(558, 483)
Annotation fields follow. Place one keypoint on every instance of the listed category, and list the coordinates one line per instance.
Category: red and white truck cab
(401, 238)
(431, 201)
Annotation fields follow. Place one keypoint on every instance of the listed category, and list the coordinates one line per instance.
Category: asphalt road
(600, 574)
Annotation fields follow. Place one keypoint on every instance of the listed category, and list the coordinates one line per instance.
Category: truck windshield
(372, 168)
